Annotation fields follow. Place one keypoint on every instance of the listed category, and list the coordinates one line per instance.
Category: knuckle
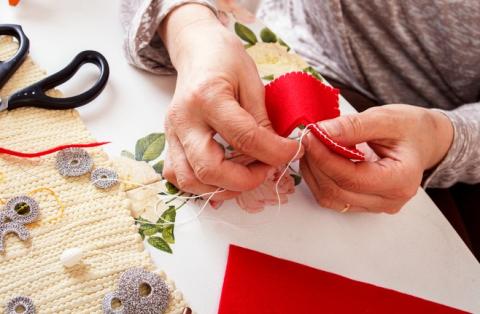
(209, 88)
(204, 173)
(263, 121)
(185, 182)
(245, 141)
(353, 123)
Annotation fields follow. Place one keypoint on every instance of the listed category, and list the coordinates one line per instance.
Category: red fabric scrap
(298, 98)
(256, 283)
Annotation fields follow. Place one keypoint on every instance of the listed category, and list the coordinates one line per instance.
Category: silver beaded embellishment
(107, 304)
(19, 303)
(129, 293)
(12, 221)
(73, 162)
(104, 178)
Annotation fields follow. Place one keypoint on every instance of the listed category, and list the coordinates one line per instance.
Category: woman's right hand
(218, 90)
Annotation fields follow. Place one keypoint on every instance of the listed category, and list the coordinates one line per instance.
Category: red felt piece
(259, 283)
(48, 151)
(298, 98)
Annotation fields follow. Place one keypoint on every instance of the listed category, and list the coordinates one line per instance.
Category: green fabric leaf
(126, 153)
(169, 215)
(268, 77)
(158, 167)
(268, 36)
(160, 244)
(171, 189)
(168, 231)
(149, 228)
(245, 33)
(284, 44)
(151, 231)
(296, 178)
(150, 147)
(168, 235)
(142, 234)
(313, 72)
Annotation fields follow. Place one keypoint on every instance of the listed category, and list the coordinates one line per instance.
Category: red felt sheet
(258, 283)
(298, 98)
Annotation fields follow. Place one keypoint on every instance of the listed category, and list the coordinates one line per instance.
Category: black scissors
(34, 95)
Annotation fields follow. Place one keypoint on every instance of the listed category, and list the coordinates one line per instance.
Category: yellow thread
(2, 177)
(61, 206)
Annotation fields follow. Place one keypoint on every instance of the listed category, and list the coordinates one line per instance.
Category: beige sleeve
(140, 19)
(462, 162)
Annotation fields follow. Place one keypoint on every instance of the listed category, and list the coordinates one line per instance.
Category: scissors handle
(34, 95)
(8, 67)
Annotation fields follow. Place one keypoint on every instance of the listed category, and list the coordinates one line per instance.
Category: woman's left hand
(408, 141)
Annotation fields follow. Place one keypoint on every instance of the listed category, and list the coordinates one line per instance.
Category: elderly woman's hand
(408, 140)
(218, 91)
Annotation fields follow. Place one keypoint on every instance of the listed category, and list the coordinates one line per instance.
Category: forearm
(174, 29)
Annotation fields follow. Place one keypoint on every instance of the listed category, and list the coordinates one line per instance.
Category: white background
(415, 251)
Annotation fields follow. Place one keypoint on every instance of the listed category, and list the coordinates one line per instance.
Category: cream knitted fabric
(96, 220)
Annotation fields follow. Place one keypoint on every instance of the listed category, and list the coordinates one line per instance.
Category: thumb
(252, 99)
(361, 127)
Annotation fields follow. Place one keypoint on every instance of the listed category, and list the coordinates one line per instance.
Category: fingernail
(331, 127)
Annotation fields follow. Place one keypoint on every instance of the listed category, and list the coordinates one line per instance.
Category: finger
(365, 176)
(252, 99)
(318, 193)
(207, 160)
(332, 196)
(373, 124)
(240, 130)
(183, 176)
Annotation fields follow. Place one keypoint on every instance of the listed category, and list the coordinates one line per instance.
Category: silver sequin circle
(104, 178)
(107, 304)
(129, 291)
(20, 301)
(73, 162)
(133, 302)
(13, 222)
(27, 218)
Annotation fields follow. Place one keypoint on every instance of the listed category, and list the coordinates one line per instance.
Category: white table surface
(415, 251)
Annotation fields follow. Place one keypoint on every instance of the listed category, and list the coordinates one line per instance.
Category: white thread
(210, 194)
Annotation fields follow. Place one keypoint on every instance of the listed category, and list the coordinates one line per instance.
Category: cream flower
(144, 201)
(274, 59)
(134, 171)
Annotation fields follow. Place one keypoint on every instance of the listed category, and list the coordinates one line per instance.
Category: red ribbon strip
(48, 151)
(298, 98)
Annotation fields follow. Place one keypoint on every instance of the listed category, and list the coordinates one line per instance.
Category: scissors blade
(3, 104)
